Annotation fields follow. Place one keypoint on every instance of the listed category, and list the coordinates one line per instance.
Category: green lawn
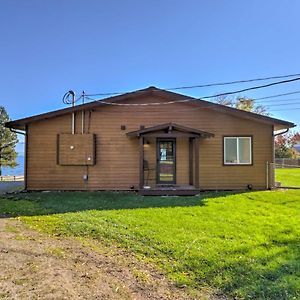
(245, 245)
(288, 177)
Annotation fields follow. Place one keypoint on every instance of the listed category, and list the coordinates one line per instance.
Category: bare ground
(37, 266)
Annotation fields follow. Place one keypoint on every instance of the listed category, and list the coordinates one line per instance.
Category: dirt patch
(37, 266)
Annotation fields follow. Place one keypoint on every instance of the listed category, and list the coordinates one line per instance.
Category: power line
(272, 100)
(262, 99)
(106, 94)
(171, 102)
(201, 98)
(265, 99)
(283, 104)
(199, 108)
(158, 111)
(185, 100)
(163, 112)
(278, 95)
(69, 98)
(295, 108)
(231, 82)
(206, 85)
(253, 88)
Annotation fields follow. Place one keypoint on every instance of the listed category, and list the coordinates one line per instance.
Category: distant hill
(18, 170)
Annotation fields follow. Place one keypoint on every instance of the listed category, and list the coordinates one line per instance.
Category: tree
(284, 145)
(248, 104)
(225, 100)
(8, 141)
(243, 103)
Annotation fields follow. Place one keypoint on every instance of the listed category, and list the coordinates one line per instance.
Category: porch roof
(168, 128)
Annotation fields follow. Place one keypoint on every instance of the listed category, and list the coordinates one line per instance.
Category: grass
(288, 177)
(245, 245)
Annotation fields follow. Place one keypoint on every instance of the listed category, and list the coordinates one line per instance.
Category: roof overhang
(171, 130)
(153, 91)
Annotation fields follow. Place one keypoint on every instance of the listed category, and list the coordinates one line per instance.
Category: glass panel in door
(166, 161)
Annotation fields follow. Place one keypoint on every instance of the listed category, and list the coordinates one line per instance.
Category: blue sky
(48, 47)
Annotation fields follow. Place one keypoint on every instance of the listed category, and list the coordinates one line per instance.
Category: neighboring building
(151, 140)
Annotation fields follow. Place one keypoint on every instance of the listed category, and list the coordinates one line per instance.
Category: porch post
(191, 162)
(141, 153)
(196, 144)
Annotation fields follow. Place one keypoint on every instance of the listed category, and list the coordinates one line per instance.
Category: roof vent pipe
(69, 98)
(82, 113)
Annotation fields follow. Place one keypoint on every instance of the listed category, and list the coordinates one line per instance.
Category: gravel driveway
(38, 266)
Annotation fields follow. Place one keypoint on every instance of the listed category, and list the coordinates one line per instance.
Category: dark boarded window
(76, 149)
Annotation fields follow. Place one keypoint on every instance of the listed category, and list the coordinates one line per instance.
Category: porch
(169, 159)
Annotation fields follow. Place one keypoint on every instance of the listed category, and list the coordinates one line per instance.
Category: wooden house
(150, 140)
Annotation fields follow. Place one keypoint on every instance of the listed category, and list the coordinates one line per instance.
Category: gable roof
(170, 127)
(278, 124)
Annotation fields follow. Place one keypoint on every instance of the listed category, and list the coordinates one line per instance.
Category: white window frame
(238, 163)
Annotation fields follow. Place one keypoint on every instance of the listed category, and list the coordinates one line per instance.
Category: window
(237, 150)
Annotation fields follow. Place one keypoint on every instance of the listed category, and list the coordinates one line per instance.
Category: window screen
(237, 151)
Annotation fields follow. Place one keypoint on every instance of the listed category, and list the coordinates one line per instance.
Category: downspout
(283, 132)
(16, 131)
(267, 176)
(26, 159)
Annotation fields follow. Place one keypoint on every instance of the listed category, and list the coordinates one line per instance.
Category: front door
(166, 161)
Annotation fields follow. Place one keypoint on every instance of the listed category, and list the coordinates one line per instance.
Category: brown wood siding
(117, 156)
